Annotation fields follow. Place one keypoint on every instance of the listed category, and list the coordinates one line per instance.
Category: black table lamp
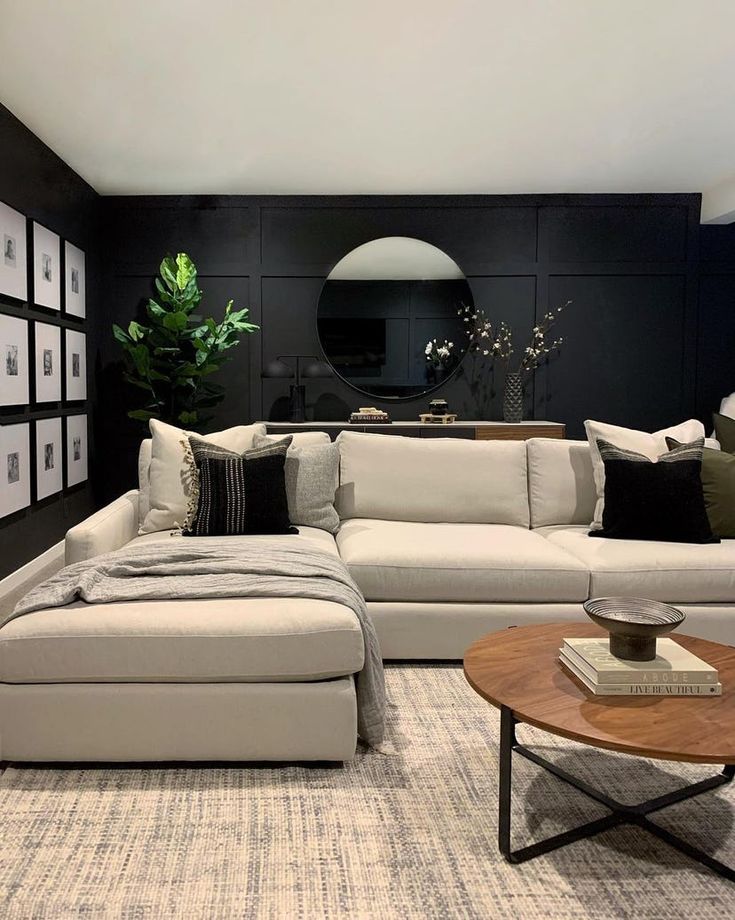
(279, 369)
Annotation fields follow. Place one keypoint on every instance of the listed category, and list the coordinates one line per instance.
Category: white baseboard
(32, 568)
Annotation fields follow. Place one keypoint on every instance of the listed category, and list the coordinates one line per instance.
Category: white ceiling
(377, 96)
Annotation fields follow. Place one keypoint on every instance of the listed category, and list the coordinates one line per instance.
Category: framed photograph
(75, 287)
(15, 468)
(13, 361)
(48, 363)
(13, 264)
(49, 478)
(76, 449)
(46, 268)
(76, 365)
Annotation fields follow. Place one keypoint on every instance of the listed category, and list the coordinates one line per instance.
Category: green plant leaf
(185, 271)
(137, 382)
(188, 417)
(141, 359)
(155, 310)
(142, 415)
(136, 331)
(177, 322)
(120, 334)
(168, 272)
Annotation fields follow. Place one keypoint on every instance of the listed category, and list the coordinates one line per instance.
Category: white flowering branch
(497, 343)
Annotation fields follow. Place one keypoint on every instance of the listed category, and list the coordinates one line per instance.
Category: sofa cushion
(409, 561)
(432, 479)
(299, 438)
(669, 572)
(324, 540)
(561, 483)
(185, 641)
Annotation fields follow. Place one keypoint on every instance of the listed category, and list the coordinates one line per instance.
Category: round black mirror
(389, 317)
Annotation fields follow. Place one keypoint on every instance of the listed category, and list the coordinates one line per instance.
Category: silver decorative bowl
(634, 623)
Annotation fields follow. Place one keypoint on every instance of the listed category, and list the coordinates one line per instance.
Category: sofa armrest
(108, 529)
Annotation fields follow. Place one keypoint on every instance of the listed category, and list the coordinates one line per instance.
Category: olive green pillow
(725, 432)
(718, 485)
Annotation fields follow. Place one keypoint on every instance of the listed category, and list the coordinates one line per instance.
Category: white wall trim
(13, 581)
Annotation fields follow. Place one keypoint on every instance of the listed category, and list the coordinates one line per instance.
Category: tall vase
(513, 399)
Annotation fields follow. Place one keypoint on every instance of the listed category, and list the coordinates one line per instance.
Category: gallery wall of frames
(48, 330)
(42, 363)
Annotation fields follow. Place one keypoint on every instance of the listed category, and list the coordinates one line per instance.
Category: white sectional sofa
(447, 539)
(450, 539)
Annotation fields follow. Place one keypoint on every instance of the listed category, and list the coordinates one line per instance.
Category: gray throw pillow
(311, 482)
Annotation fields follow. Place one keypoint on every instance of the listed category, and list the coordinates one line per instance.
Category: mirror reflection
(388, 317)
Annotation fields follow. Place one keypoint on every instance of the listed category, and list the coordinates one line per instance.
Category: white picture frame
(15, 468)
(13, 361)
(13, 256)
(49, 458)
(76, 365)
(76, 449)
(46, 268)
(75, 294)
(48, 362)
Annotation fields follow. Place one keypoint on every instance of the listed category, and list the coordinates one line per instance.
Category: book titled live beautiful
(674, 671)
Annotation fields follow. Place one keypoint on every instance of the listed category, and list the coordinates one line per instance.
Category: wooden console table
(474, 431)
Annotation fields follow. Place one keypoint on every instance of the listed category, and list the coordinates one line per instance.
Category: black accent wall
(629, 263)
(34, 181)
(716, 327)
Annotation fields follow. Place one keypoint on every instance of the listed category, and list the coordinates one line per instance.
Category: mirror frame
(388, 399)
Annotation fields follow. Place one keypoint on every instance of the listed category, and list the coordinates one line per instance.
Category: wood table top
(519, 668)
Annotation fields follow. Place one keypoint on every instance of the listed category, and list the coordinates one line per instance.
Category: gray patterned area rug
(404, 836)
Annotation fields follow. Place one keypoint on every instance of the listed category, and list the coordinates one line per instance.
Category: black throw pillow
(240, 494)
(661, 500)
(725, 432)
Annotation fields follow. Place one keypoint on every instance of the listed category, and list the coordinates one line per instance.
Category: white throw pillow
(170, 472)
(643, 442)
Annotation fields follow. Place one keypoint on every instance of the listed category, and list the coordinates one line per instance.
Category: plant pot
(513, 399)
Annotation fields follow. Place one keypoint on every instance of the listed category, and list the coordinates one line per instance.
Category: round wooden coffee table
(518, 670)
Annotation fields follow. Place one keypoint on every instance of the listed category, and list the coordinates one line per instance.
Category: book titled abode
(674, 671)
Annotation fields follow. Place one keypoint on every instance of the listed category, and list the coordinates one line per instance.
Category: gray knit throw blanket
(224, 567)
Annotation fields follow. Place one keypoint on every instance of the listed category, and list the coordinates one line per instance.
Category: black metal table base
(620, 814)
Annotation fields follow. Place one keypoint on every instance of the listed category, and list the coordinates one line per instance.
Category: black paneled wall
(715, 376)
(34, 181)
(628, 262)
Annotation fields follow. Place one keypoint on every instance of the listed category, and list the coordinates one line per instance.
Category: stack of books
(673, 672)
(369, 415)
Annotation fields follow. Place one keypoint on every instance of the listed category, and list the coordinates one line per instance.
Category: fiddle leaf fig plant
(172, 357)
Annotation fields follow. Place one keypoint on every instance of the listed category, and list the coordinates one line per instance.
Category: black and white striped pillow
(239, 493)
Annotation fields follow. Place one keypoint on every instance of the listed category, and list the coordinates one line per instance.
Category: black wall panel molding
(629, 262)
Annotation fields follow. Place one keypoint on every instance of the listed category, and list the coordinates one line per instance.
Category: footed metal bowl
(634, 623)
